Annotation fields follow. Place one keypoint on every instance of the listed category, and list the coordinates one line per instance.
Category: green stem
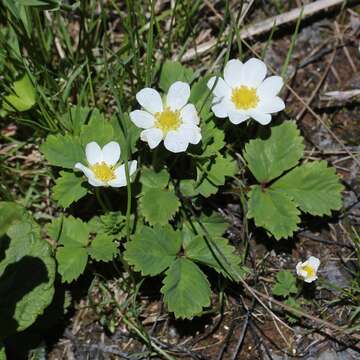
(100, 200)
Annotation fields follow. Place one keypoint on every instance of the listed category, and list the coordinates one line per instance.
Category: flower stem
(100, 200)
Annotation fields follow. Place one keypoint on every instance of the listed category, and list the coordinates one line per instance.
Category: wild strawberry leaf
(186, 289)
(103, 248)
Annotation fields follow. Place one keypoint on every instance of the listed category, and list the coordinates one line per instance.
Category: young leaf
(68, 188)
(103, 248)
(71, 262)
(155, 180)
(63, 150)
(153, 250)
(98, 129)
(220, 255)
(173, 71)
(314, 187)
(159, 205)
(186, 289)
(268, 159)
(285, 284)
(22, 97)
(274, 211)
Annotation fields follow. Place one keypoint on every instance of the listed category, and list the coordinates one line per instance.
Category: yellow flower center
(103, 171)
(310, 271)
(167, 120)
(244, 97)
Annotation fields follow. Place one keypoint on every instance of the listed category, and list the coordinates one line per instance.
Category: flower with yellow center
(173, 120)
(244, 92)
(308, 269)
(102, 169)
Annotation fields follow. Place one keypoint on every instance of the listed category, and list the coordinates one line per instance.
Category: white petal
(314, 262)
(232, 72)
(253, 72)
(271, 104)
(120, 177)
(93, 153)
(299, 268)
(270, 86)
(142, 119)
(237, 117)
(150, 100)
(260, 117)
(191, 133)
(175, 142)
(219, 108)
(178, 95)
(111, 153)
(189, 114)
(152, 136)
(221, 89)
(120, 174)
(89, 174)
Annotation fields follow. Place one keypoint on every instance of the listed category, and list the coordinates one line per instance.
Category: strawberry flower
(308, 269)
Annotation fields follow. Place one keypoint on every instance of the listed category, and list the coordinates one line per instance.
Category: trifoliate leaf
(74, 233)
(268, 159)
(186, 289)
(98, 129)
(103, 248)
(217, 253)
(159, 205)
(63, 150)
(274, 211)
(314, 187)
(152, 179)
(112, 223)
(173, 71)
(22, 97)
(27, 273)
(285, 284)
(71, 262)
(153, 250)
(68, 188)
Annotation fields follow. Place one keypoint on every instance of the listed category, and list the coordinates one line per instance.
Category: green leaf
(112, 223)
(213, 223)
(75, 118)
(159, 205)
(27, 273)
(23, 96)
(212, 139)
(218, 254)
(2, 352)
(314, 187)
(153, 250)
(187, 187)
(155, 180)
(63, 150)
(173, 71)
(74, 233)
(71, 262)
(292, 317)
(68, 188)
(213, 174)
(98, 129)
(186, 289)
(274, 211)
(285, 284)
(103, 248)
(268, 159)
(9, 212)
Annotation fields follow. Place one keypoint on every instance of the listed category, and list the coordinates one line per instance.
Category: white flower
(174, 120)
(102, 170)
(244, 94)
(308, 269)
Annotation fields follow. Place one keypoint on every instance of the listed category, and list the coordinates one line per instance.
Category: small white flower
(174, 120)
(102, 170)
(308, 269)
(244, 94)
